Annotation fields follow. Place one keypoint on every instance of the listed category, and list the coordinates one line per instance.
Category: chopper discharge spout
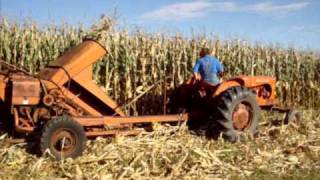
(73, 62)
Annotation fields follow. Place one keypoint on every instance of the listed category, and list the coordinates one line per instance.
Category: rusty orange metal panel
(25, 90)
(84, 79)
(116, 120)
(80, 103)
(73, 62)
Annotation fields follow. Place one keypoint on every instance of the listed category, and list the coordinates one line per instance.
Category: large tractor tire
(237, 112)
(63, 137)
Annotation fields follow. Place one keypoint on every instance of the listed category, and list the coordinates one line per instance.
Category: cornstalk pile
(280, 151)
(136, 60)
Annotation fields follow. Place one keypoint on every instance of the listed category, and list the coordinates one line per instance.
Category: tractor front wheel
(63, 137)
(237, 112)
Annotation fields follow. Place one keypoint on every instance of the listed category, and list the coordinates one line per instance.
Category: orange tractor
(62, 105)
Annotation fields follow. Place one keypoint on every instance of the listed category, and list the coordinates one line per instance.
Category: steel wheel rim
(242, 116)
(63, 142)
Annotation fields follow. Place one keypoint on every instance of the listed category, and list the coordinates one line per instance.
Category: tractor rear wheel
(63, 137)
(238, 112)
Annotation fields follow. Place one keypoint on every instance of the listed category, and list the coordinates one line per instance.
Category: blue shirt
(208, 67)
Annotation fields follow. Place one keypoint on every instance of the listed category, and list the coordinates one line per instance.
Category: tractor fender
(251, 82)
(226, 85)
(247, 81)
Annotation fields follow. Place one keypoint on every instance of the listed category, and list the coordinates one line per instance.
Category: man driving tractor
(208, 68)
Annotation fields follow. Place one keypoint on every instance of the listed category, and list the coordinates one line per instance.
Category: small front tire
(63, 137)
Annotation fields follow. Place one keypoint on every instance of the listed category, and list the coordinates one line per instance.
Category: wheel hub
(241, 116)
(64, 142)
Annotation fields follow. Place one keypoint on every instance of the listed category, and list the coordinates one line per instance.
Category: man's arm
(197, 76)
(220, 69)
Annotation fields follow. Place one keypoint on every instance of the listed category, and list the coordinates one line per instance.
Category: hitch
(292, 115)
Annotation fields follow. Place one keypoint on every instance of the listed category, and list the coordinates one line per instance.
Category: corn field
(137, 60)
(135, 63)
